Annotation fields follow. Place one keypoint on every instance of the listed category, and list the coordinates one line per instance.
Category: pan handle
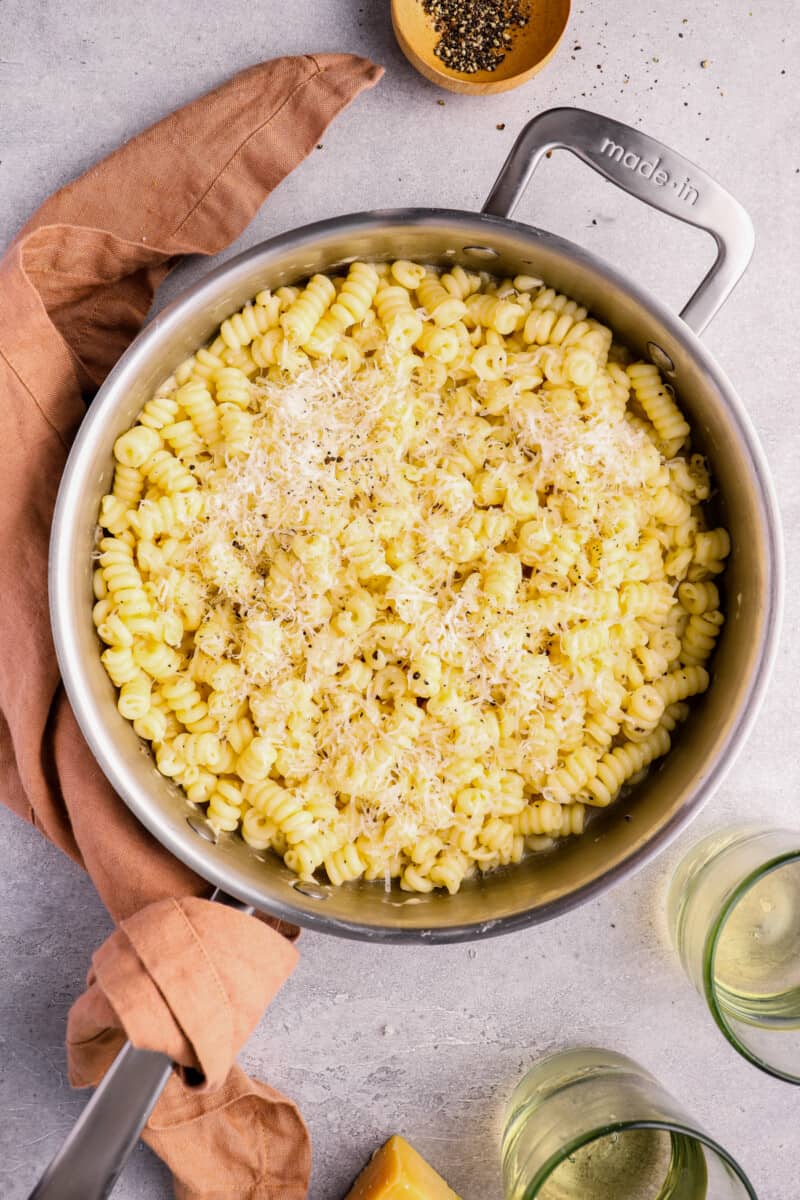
(89, 1163)
(647, 170)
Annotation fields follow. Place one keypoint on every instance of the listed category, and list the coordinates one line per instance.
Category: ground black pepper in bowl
(475, 34)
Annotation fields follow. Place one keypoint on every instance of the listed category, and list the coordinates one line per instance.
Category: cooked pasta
(406, 572)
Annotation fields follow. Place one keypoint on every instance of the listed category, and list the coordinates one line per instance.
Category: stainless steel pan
(625, 836)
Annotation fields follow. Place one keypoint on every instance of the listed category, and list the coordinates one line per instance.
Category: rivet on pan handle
(89, 1163)
(647, 170)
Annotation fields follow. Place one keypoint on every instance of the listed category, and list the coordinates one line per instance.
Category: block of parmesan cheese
(397, 1172)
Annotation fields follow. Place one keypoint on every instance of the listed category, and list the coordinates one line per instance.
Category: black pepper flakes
(475, 34)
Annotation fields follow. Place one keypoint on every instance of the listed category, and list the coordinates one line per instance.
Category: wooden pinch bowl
(532, 47)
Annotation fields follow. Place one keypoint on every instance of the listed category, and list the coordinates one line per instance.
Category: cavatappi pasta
(405, 571)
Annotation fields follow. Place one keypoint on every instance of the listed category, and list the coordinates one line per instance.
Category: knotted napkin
(179, 974)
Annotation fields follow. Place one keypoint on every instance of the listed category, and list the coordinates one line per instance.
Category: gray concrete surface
(430, 1042)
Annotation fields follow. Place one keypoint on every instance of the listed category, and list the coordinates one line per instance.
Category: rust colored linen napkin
(179, 974)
